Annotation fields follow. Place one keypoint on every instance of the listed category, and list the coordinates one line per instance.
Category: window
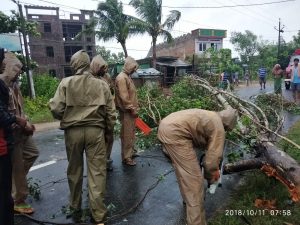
(49, 51)
(52, 73)
(47, 27)
(89, 48)
(89, 39)
(213, 46)
(70, 31)
(202, 47)
(71, 50)
(35, 17)
(87, 16)
(75, 17)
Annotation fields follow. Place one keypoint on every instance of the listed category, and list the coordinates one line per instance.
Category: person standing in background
(99, 69)
(295, 78)
(278, 73)
(127, 104)
(247, 77)
(236, 78)
(262, 74)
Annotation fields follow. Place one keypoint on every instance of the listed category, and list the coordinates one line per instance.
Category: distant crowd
(291, 78)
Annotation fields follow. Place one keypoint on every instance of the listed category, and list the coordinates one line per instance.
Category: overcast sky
(259, 19)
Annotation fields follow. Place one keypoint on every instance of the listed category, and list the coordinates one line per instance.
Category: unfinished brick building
(192, 43)
(57, 43)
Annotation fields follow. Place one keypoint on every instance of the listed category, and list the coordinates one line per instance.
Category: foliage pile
(154, 105)
(186, 94)
(276, 102)
(273, 104)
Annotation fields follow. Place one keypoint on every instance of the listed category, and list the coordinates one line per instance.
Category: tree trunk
(124, 49)
(275, 163)
(154, 52)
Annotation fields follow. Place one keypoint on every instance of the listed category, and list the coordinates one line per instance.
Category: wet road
(125, 187)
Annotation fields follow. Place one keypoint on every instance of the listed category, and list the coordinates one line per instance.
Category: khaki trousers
(190, 180)
(23, 156)
(127, 134)
(91, 140)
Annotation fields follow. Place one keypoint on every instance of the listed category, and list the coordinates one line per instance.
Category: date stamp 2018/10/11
(257, 212)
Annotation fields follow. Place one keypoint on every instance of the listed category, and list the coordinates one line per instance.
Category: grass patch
(294, 135)
(258, 185)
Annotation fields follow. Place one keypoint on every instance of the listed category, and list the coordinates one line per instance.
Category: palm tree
(150, 12)
(111, 23)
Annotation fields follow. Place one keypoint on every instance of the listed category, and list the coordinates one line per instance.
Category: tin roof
(149, 72)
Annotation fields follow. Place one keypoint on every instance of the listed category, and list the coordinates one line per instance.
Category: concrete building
(57, 43)
(192, 43)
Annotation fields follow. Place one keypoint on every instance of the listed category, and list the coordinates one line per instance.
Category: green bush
(45, 85)
(37, 109)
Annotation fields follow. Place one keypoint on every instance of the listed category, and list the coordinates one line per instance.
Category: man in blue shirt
(295, 78)
(262, 73)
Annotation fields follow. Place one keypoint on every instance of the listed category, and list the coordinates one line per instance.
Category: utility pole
(27, 59)
(280, 30)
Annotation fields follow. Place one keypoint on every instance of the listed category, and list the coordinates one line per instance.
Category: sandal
(23, 208)
(129, 162)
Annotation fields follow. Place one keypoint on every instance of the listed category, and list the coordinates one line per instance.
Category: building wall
(180, 50)
(58, 38)
(194, 43)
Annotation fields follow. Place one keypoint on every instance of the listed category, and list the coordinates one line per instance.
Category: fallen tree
(253, 128)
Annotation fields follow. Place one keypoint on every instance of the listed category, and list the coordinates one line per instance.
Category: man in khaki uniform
(127, 104)
(25, 151)
(99, 69)
(84, 105)
(179, 133)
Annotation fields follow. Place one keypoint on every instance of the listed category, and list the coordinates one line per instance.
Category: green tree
(111, 23)
(220, 59)
(110, 58)
(7, 24)
(150, 12)
(10, 24)
(296, 40)
(245, 44)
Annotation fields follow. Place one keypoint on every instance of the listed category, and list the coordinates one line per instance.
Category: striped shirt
(262, 72)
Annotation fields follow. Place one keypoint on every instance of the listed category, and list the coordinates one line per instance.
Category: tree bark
(124, 49)
(274, 163)
(154, 52)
